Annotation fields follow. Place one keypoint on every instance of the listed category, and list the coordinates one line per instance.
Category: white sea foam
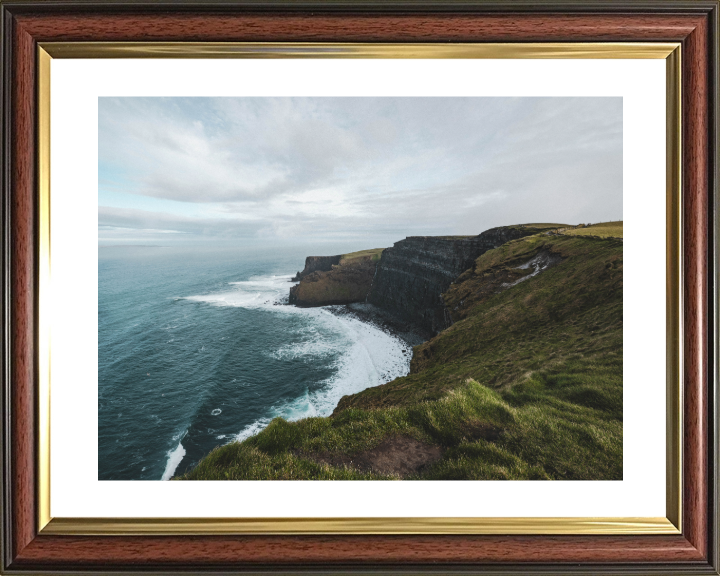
(371, 357)
(367, 357)
(174, 459)
(314, 345)
(252, 429)
(257, 292)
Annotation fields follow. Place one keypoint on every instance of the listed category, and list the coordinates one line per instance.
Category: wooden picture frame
(27, 26)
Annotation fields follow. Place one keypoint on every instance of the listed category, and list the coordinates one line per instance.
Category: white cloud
(293, 167)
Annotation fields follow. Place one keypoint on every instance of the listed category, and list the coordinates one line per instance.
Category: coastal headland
(342, 279)
(520, 376)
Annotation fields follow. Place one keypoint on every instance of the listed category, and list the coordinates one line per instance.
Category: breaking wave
(362, 355)
(174, 459)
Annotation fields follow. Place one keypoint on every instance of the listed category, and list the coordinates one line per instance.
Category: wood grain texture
(360, 550)
(358, 28)
(22, 320)
(696, 197)
(665, 553)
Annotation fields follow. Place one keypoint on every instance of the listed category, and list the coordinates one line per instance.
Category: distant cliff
(317, 264)
(413, 274)
(345, 281)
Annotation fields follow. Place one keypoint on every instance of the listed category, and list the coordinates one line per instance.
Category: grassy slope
(539, 365)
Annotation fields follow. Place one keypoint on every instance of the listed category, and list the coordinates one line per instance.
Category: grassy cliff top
(526, 384)
(601, 230)
(373, 253)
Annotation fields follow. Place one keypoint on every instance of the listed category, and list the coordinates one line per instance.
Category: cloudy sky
(289, 170)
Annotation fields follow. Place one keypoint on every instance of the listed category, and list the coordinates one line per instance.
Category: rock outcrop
(345, 283)
(413, 274)
(317, 264)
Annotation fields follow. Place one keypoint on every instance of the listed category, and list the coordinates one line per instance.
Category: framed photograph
(341, 287)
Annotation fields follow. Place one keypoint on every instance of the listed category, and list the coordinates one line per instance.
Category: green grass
(542, 436)
(374, 253)
(602, 230)
(540, 363)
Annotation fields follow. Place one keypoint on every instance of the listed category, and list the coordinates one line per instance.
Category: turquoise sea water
(197, 348)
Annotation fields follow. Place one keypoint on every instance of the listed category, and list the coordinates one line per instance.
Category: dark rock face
(413, 274)
(317, 264)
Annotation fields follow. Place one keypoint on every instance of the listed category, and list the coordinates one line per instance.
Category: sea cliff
(407, 281)
(413, 274)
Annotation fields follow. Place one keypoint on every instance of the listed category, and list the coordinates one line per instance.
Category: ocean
(197, 347)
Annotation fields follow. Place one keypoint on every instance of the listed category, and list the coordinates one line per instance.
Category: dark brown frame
(694, 23)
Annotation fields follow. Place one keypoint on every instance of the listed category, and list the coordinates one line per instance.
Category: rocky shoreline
(381, 319)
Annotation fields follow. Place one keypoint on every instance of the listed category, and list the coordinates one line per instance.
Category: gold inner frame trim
(435, 525)
(673, 312)
(268, 526)
(566, 50)
(44, 298)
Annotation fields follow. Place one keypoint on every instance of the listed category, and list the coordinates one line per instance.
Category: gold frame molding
(671, 524)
